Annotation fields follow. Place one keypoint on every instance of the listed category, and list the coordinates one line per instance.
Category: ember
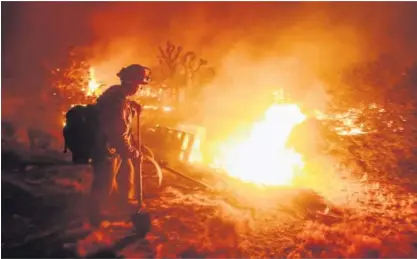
(263, 158)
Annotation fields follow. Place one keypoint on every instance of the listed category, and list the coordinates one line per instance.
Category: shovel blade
(141, 222)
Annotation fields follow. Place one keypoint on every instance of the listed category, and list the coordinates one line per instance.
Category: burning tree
(183, 73)
(74, 83)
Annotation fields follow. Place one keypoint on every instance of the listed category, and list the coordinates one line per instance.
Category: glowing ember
(347, 119)
(353, 131)
(92, 83)
(263, 158)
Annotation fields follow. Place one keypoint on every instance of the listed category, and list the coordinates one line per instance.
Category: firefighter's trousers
(124, 179)
(113, 175)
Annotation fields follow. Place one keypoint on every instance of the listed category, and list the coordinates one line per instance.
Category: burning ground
(331, 213)
(46, 217)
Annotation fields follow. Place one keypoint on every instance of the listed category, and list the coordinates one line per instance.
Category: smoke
(255, 46)
(293, 59)
(213, 28)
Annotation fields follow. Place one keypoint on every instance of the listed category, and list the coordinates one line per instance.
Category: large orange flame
(263, 157)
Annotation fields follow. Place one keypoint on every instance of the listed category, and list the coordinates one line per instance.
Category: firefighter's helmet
(135, 73)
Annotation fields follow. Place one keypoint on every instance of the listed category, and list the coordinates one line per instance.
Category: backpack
(80, 131)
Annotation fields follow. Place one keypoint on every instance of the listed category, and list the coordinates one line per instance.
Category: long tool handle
(140, 192)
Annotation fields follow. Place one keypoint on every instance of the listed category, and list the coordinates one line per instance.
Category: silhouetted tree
(183, 71)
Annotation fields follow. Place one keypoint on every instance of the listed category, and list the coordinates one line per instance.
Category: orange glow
(354, 131)
(156, 107)
(191, 143)
(167, 108)
(92, 83)
(262, 158)
(92, 90)
(349, 127)
(195, 155)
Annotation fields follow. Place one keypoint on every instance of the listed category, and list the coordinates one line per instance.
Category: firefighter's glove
(137, 107)
(137, 154)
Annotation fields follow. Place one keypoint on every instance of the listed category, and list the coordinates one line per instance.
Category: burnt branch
(189, 61)
(169, 56)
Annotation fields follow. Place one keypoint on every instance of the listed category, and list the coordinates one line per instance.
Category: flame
(192, 137)
(194, 147)
(347, 119)
(92, 83)
(195, 154)
(263, 157)
(351, 132)
(164, 108)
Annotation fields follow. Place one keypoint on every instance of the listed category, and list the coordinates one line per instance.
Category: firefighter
(114, 148)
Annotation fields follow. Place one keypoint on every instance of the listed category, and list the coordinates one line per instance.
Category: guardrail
(169, 142)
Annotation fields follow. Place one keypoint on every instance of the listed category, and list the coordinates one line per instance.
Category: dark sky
(36, 33)
(324, 36)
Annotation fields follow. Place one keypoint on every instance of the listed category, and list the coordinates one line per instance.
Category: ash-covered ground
(44, 214)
